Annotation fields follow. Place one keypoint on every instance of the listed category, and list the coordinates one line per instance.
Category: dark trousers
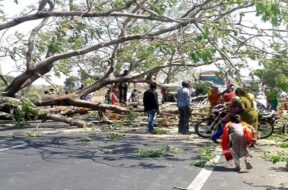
(183, 126)
(123, 94)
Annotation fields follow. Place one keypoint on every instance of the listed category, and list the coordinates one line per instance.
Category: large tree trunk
(64, 119)
(26, 78)
(72, 100)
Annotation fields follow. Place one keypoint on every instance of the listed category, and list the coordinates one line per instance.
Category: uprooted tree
(149, 38)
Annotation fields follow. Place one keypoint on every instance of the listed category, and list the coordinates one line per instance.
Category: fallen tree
(150, 39)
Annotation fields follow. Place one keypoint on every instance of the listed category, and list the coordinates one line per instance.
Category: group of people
(114, 96)
(117, 94)
(238, 127)
(238, 101)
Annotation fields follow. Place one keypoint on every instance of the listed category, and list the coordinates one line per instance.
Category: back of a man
(183, 104)
(151, 105)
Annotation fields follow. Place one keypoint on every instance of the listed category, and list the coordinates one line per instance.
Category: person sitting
(214, 97)
(229, 94)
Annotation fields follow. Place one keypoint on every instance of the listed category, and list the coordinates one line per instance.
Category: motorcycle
(210, 125)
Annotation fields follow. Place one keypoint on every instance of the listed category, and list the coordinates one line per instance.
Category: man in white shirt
(183, 104)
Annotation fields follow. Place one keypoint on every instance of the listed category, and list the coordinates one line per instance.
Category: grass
(205, 155)
(199, 163)
(158, 153)
(136, 126)
(279, 140)
(115, 137)
(160, 131)
(118, 126)
(91, 128)
(274, 157)
(278, 156)
(32, 134)
(132, 116)
(85, 139)
(283, 145)
(115, 126)
(278, 137)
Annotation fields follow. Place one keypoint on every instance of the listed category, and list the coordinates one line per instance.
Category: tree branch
(111, 13)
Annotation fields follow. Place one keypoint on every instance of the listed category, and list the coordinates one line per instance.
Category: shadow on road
(70, 149)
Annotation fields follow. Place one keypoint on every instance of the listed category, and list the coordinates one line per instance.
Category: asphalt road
(64, 162)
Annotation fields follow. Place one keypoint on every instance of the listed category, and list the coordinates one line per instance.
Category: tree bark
(26, 78)
(72, 100)
(64, 119)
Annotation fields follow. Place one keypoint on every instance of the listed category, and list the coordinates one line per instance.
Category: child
(134, 96)
(108, 97)
(237, 135)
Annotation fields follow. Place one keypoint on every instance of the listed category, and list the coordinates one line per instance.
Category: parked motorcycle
(208, 126)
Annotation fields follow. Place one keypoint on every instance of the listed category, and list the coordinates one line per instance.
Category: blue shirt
(183, 97)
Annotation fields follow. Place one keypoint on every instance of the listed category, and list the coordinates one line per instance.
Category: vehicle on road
(208, 126)
(169, 92)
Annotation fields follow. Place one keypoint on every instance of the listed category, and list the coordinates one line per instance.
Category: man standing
(151, 105)
(183, 104)
(123, 88)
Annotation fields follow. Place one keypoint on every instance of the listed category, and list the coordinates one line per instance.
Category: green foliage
(85, 139)
(199, 163)
(160, 131)
(204, 55)
(118, 3)
(278, 138)
(9, 79)
(159, 7)
(70, 82)
(214, 22)
(132, 116)
(23, 111)
(64, 67)
(202, 88)
(283, 145)
(280, 155)
(115, 137)
(269, 11)
(275, 72)
(275, 157)
(158, 153)
(115, 126)
(205, 155)
(32, 134)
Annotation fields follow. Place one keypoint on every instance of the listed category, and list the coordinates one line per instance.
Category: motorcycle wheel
(265, 129)
(202, 128)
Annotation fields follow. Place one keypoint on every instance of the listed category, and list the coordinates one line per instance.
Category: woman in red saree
(236, 137)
